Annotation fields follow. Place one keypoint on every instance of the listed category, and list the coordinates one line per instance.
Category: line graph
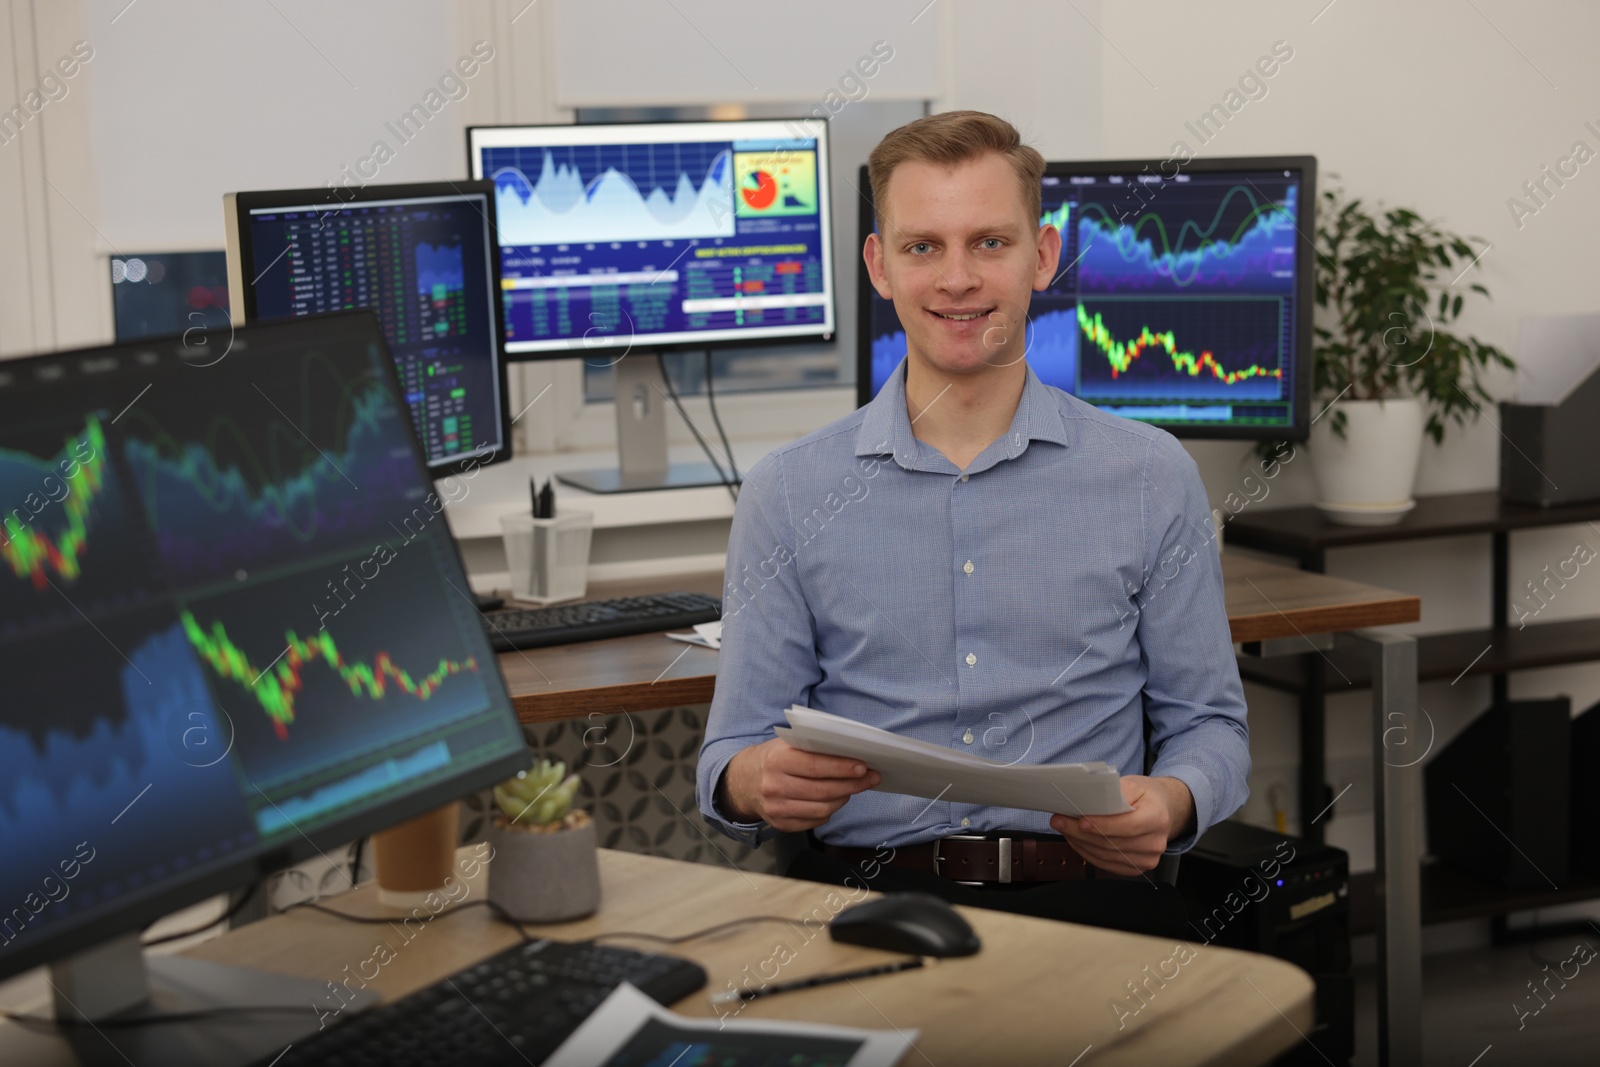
(216, 489)
(26, 492)
(647, 192)
(1240, 240)
(277, 686)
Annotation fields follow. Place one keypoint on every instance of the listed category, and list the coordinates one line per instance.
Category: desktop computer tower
(1585, 810)
(1498, 794)
(1266, 892)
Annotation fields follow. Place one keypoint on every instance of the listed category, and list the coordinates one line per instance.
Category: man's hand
(1132, 842)
(788, 789)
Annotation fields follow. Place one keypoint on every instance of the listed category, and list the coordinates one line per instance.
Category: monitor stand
(641, 439)
(117, 980)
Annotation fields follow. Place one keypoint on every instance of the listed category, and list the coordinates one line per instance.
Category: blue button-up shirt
(1039, 607)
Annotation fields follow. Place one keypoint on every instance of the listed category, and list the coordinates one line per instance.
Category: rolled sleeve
(1193, 697)
(768, 659)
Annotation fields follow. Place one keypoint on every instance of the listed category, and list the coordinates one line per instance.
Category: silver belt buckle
(1006, 852)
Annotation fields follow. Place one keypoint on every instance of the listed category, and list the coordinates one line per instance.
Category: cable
(500, 913)
(45, 1022)
(233, 909)
(698, 933)
(672, 393)
(711, 398)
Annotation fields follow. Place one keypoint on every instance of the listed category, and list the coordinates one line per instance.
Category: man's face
(959, 255)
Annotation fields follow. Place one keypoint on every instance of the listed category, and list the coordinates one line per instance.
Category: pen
(547, 500)
(533, 494)
(734, 996)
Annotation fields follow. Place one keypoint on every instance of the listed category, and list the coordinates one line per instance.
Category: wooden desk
(1265, 601)
(1040, 992)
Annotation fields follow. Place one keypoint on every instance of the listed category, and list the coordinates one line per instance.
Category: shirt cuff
(1205, 806)
(751, 833)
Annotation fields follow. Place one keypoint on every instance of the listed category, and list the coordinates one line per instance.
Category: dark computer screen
(168, 292)
(1183, 297)
(422, 257)
(233, 624)
(660, 234)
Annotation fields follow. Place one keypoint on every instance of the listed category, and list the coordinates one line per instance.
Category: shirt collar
(886, 427)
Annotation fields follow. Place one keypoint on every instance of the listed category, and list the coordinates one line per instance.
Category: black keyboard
(513, 1009)
(592, 620)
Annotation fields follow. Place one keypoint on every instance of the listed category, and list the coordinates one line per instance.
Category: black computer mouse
(917, 923)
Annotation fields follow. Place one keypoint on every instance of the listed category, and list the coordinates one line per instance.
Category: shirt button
(966, 738)
(967, 566)
(972, 658)
(963, 477)
(966, 822)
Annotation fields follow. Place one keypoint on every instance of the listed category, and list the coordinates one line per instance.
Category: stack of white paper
(919, 769)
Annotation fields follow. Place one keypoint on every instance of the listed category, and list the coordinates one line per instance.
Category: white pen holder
(549, 558)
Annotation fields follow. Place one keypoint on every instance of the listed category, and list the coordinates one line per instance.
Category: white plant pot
(545, 877)
(1366, 477)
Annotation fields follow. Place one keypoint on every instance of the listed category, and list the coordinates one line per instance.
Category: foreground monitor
(422, 257)
(234, 629)
(1183, 296)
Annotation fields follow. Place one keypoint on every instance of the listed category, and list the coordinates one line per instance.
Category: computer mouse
(917, 923)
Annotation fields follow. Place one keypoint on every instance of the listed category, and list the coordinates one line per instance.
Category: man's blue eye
(991, 242)
(920, 248)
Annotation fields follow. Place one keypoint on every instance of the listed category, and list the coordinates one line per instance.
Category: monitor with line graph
(1183, 296)
(234, 628)
(660, 234)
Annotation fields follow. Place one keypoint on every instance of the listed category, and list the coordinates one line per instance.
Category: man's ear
(872, 254)
(1049, 255)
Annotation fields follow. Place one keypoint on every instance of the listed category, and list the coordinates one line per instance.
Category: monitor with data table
(423, 257)
(1183, 295)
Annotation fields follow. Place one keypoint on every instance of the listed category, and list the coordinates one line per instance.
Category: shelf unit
(1302, 534)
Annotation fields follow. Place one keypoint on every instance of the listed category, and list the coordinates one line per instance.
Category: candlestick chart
(312, 661)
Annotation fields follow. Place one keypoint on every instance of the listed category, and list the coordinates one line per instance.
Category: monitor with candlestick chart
(1182, 296)
(234, 627)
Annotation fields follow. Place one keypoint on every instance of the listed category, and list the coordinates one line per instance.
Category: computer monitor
(234, 630)
(631, 238)
(168, 292)
(421, 256)
(1183, 298)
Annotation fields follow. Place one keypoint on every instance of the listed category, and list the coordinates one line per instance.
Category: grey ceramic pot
(545, 878)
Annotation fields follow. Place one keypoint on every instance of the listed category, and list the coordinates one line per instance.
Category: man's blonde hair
(949, 138)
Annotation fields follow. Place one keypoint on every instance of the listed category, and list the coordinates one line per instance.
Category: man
(981, 561)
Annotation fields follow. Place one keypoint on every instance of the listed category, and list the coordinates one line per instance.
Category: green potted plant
(1387, 368)
(545, 866)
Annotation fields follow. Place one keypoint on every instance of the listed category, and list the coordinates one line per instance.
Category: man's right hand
(789, 789)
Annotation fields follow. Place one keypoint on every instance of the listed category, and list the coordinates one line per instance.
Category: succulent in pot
(546, 867)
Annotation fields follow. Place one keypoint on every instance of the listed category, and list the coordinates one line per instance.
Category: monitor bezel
(597, 343)
(1305, 281)
(240, 249)
(154, 902)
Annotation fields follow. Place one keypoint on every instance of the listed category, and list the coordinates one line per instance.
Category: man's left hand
(1132, 842)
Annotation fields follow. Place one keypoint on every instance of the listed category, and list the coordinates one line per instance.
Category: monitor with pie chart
(660, 235)
(638, 238)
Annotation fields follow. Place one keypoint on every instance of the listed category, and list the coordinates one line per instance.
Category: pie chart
(759, 190)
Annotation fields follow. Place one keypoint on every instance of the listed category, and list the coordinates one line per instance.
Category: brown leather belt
(981, 859)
